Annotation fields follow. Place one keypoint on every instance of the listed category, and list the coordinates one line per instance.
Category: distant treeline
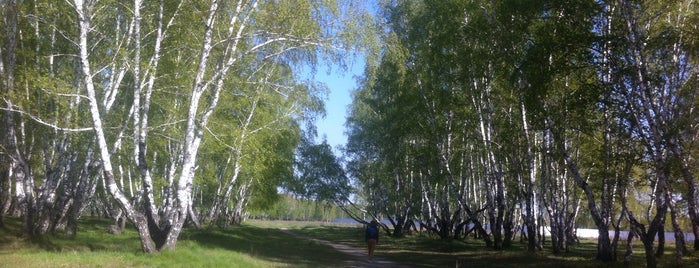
(292, 208)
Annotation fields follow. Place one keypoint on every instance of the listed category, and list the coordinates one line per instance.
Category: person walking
(372, 237)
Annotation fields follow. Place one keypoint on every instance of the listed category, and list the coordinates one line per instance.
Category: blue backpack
(373, 231)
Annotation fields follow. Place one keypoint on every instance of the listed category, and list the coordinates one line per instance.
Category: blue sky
(340, 84)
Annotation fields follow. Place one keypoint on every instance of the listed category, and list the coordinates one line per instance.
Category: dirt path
(359, 256)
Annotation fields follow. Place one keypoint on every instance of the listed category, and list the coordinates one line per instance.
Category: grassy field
(262, 244)
(245, 246)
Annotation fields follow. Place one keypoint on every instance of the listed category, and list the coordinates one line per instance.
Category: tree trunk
(651, 261)
(136, 217)
(18, 168)
(691, 194)
(647, 236)
(196, 120)
(83, 191)
(508, 227)
(604, 246)
(5, 139)
(660, 251)
(629, 245)
(605, 252)
(529, 219)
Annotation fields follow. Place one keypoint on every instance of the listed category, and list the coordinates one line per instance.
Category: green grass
(244, 246)
(262, 244)
(425, 251)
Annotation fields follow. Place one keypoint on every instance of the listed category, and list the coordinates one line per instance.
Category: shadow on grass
(91, 236)
(268, 244)
(429, 252)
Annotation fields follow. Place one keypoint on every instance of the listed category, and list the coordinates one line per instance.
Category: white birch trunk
(195, 123)
(110, 183)
(17, 167)
(530, 220)
(192, 138)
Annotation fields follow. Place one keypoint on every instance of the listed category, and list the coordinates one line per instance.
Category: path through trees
(359, 255)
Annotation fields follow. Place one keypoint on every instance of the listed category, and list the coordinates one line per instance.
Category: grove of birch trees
(505, 119)
(510, 121)
(162, 113)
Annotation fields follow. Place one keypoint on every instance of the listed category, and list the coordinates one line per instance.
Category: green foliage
(288, 207)
(319, 175)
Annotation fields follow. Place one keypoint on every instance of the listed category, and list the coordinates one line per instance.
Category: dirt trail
(359, 256)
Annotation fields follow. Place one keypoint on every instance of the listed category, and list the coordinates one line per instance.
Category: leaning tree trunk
(228, 182)
(604, 248)
(81, 193)
(648, 236)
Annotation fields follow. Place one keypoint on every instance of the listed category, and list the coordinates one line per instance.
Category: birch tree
(655, 53)
(260, 114)
(231, 34)
(12, 159)
(52, 140)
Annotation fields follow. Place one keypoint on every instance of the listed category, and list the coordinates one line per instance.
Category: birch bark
(604, 251)
(645, 103)
(530, 220)
(197, 123)
(82, 9)
(18, 168)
